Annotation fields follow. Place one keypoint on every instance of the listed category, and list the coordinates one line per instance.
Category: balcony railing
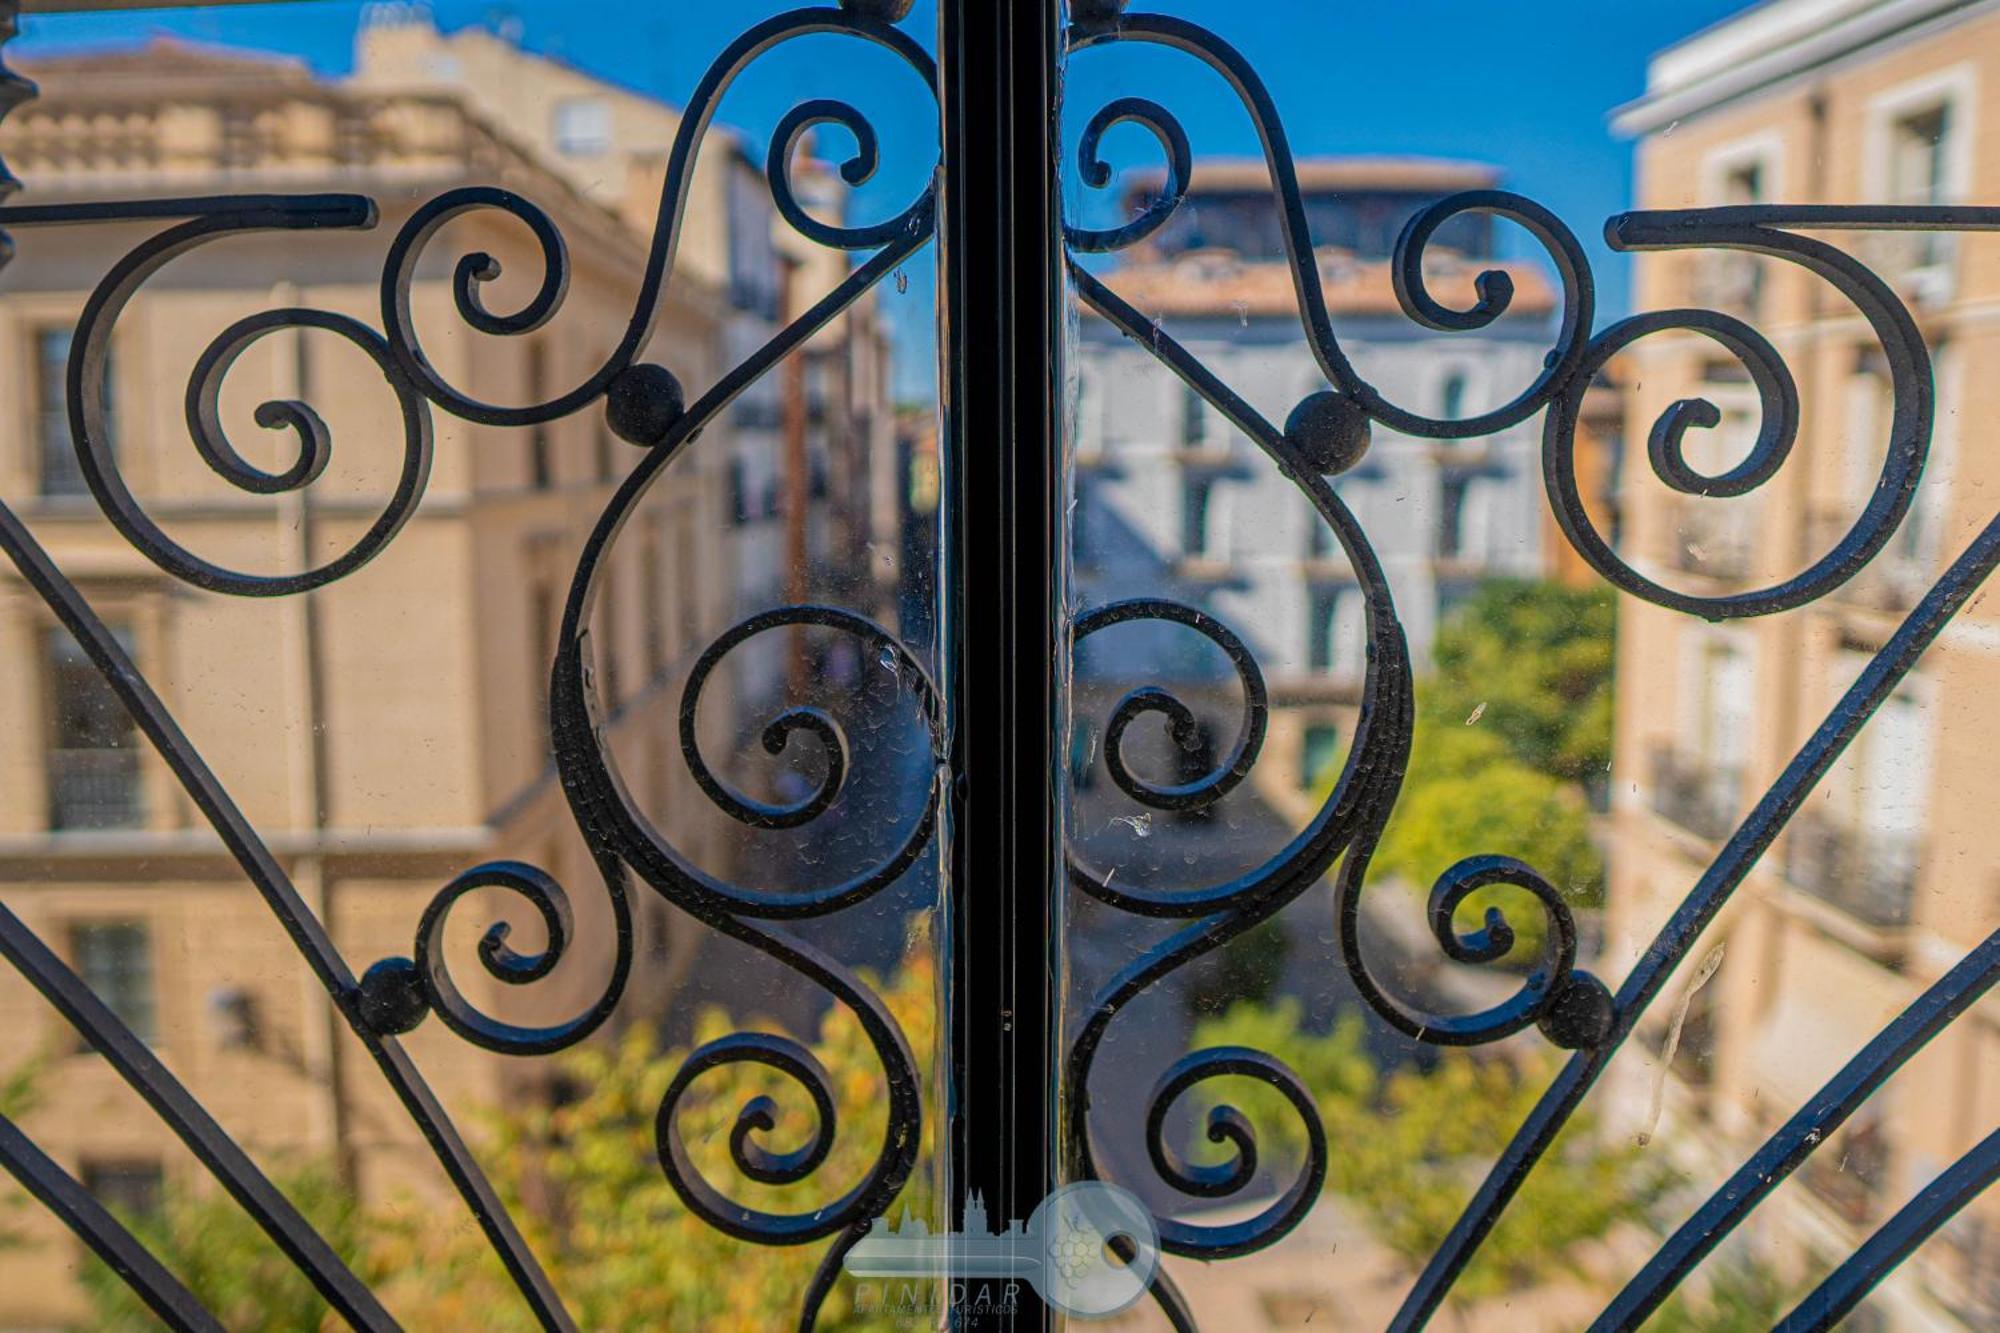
(94, 789)
(1869, 874)
(1702, 798)
(1892, 583)
(1919, 265)
(1730, 281)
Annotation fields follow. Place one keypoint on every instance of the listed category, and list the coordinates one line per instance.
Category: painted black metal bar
(107, 1237)
(1003, 540)
(291, 210)
(180, 1112)
(1796, 1140)
(308, 934)
(1650, 975)
(14, 90)
(1896, 1240)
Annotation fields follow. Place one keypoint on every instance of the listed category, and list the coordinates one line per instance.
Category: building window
(609, 657)
(115, 959)
(1319, 534)
(61, 474)
(1451, 517)
(654, 587)
(1319, 752)
(92, 758)
(1197, 494)
(1919, 172)
(739, 493)
(1451, 398)
(1743, 184)
(541, 465)
(1319, 631)
(233, 1019)
(1917, 161)
(542, 636)
(582, 126)
(1194, 418)
(132, 1190)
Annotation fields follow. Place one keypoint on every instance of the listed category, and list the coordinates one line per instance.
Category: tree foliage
(1517, 713)
(1533, 658)
(1409, 1148)
(17, 1098)
(584, 1182)
(226, 1261)
(1464, 795)
(1742, 1295)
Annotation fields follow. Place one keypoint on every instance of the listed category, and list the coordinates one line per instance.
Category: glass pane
(1276, 935)
(759, 839)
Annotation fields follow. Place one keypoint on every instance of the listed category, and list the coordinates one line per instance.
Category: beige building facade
(1889, 874)
(388, 731)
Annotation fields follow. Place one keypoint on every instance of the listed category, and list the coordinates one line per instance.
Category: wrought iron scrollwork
(646, 405)
(1325, 434)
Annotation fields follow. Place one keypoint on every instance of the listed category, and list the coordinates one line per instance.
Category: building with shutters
(1889, 874)
(1173, 501)
(390, 730)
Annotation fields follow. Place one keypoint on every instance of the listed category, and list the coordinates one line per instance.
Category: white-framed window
(1918, 145)
(1738, 174)
(1749, 170)
(1881, 784)
(582, 126)
(1717, 696)
(92, 758)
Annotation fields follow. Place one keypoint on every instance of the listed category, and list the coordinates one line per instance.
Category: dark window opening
(1451, 518)
(1451, 400)
(1196, 493)
(115, 960)
(1194, 418)
(131, 1189)
(1319, 630)
(1319, 754)
(92, 758)
(61, 473)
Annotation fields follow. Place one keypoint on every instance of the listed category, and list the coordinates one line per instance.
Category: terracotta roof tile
(1217, 174)
(1216, 283)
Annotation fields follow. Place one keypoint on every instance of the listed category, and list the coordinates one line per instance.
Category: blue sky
(1525, 86)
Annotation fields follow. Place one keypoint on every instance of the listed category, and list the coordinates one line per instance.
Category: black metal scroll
(1328, 433)
(644, 404)
(1325, 434)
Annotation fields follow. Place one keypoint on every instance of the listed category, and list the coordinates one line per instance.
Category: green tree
(1408, 1149)
(1465, 795)
(1517, 712)
(621, 1246)
(228, 1263)
(17, 1098)
(1743, 1296)
(584, 1182)
(1533, 660)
